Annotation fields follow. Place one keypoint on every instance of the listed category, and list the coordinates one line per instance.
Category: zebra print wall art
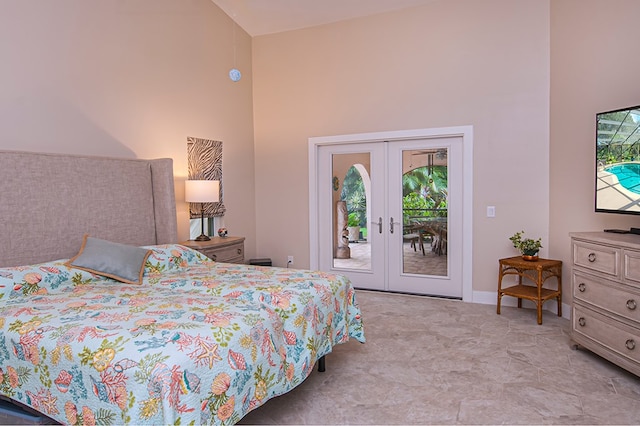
(204, 162)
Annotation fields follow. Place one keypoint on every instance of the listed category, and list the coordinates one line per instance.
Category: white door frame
(465, 132)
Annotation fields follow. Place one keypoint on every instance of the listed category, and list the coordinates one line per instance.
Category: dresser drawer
(596, 257)
(612, 335)
(632, 267)
(607, 295)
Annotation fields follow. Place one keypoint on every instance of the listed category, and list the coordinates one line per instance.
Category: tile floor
(437, 361)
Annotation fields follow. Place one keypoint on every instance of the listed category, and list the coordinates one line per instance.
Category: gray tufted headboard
(49, 201)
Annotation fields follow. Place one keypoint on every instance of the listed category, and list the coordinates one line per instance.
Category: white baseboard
(491, 298)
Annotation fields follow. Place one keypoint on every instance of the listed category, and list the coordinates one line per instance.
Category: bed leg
(321, 366)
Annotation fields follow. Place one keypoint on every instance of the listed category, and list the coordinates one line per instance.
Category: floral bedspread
(197, 342)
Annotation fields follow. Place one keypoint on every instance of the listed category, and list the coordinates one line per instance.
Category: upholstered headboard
(49, 201)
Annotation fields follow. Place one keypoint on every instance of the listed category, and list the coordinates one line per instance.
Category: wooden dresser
(220, 249)
(605, 295)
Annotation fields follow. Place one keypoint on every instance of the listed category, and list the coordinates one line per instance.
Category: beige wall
(136, 78)
(594, 68)
(131, 79)
(450, 63)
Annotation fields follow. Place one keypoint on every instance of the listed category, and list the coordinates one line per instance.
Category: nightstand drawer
(220, 249)
(231, 254)
(597, 257)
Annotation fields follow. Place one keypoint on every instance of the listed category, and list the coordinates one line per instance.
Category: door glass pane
(425, 211)
(351, 185)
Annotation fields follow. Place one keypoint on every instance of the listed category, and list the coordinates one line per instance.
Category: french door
(405, 200)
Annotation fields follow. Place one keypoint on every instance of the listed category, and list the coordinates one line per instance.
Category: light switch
(491, 211)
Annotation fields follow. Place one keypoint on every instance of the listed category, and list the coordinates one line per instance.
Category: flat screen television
(618, 161)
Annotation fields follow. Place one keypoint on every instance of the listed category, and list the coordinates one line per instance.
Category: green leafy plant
(526, 246)
(354, 194)
(353, 219)
(424, 192)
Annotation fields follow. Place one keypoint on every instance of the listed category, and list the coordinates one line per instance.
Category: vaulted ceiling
(259, 17)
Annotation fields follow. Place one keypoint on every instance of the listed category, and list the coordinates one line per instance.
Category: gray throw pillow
(114, 260)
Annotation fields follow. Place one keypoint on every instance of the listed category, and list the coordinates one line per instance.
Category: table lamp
(202, 191)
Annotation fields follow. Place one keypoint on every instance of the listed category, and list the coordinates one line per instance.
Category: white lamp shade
(202, 191)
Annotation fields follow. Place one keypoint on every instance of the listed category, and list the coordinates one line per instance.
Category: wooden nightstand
(220, 249)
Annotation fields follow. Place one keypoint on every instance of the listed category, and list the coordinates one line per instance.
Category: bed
(188, 340)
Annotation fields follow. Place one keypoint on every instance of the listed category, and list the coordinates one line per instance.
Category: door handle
(379, 223)
(391, 223)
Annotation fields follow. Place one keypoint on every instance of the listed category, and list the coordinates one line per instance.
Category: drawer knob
(592, 257)
(631, 304)
(630, 344)
(582, 321)
(582, 287)
(239, 251)
(214, 257)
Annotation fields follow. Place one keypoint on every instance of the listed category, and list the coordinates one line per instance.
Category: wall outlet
(289, 260)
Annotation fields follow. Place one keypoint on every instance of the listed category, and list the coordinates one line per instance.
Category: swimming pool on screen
(628, 174)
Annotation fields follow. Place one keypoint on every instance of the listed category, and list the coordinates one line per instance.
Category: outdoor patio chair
(415, 239)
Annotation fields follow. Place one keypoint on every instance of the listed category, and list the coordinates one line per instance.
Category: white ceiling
(259, 17)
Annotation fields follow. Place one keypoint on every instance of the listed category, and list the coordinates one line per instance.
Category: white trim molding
(464, 132)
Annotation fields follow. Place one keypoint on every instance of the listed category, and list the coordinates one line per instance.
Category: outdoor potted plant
(353, 226)
(527, 247)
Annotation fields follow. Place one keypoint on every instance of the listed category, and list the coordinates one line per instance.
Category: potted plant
(353, 226)
(527, 247)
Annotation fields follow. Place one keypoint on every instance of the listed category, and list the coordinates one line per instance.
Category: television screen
(618, 161)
